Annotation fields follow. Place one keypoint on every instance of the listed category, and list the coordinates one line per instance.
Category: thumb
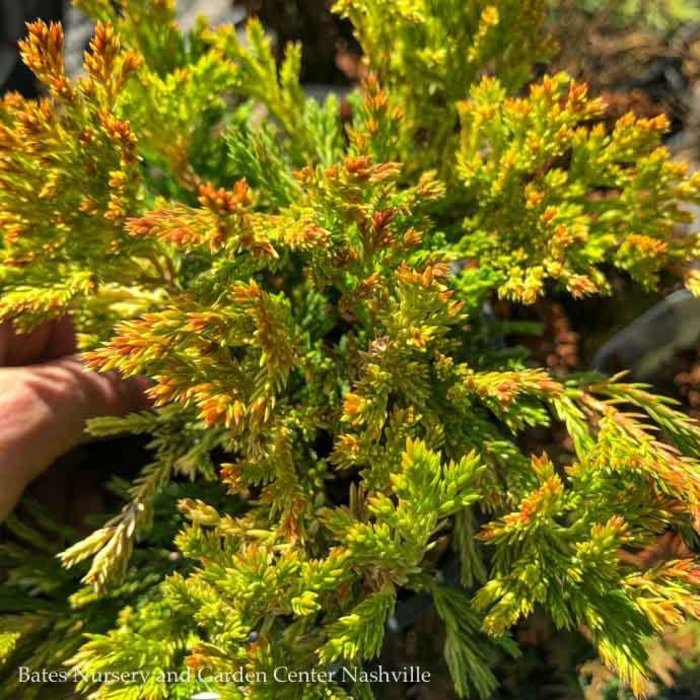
(69, 395)
(68, 386)
(43, 410)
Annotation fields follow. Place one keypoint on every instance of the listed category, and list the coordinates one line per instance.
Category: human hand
(46, 395)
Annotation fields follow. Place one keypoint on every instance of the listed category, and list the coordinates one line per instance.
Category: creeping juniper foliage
(331, 406)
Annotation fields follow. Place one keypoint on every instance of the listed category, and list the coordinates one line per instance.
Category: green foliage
(428, 55)
(466, 644)
(44, 612)
(556, 198)
(308, 301)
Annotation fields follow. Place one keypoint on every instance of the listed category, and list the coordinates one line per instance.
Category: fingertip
(136, 393)
(111, 394)
(78, 389)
